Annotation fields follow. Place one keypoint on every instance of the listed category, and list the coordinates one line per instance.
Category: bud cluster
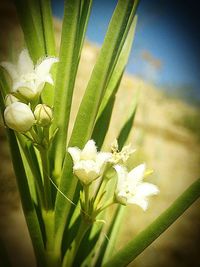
(19, 116)
(23, 108)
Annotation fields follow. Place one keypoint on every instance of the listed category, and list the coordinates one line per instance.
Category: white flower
(120, 156)
(27, 79)
(131, 189)
(19, 117)
(88, 163)
(43, 115)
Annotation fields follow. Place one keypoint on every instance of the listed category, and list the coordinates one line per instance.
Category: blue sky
(166, 45)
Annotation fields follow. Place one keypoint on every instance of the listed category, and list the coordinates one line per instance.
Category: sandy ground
(170, 149)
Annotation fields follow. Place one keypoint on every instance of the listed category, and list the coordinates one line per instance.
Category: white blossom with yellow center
(29, 80)
(88, 163)
(130, 186)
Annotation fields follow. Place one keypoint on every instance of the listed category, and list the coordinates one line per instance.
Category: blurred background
(164, 66)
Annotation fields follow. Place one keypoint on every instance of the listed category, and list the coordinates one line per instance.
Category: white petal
(122, 177)
(25, 63)
(121, 172)
(102, 158)
(75, 153)
(11, 69)
(47, 79)
(136, 175)
(86, 170)
(39, 86)
(146, 189)
(121, 198)
(142, 202)
(20, 84)
(26, 89)
(43, 68)
(89, 152)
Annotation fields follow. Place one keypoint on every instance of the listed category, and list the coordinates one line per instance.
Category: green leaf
(155, 229)
(105, 110)
(119, 68)
(35, 10)
(33, 42)
(125, 131)
(35, 179)
(27, 204)
(47, 23)
(102, 71)
(73, 31)
(86, 6)
(3, 83)
(108, 246)
(102, 124)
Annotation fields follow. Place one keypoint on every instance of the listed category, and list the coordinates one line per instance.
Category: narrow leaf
(119, 68)
(30, 34)
(102, 124)
(3, 83)
(108, 246)
(155, 229)
(37, 20)
(27, 204)
(101, 73)
(73, 32)
(47, 24)
(125, 131)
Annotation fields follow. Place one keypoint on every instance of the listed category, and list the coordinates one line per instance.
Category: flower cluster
(23, 109)
(89, 165)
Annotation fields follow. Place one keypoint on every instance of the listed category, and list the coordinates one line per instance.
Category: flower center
(28, 77)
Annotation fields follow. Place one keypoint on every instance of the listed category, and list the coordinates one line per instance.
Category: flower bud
(10, 99)
(43, 115)
(19, 117)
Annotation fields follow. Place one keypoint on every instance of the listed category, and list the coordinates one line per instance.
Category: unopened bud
(19, 117)
(43, 115)
(10, 99)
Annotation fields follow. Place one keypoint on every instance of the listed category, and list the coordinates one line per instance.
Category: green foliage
(60, 215)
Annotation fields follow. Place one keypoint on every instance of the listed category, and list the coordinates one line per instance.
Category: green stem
(47, 183)
(53, 255)
(86, 191)
(71, 253)
(155, 229)
(108, 204)
(31, 158)
(100, 191)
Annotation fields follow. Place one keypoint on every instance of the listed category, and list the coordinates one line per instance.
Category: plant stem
(53, 255)
(86, 191)
(71, 253)
(47, 183)
(100, 191)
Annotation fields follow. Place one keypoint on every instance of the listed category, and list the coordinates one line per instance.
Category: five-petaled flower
(28, 80)
(130, 187)
(88, 163)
